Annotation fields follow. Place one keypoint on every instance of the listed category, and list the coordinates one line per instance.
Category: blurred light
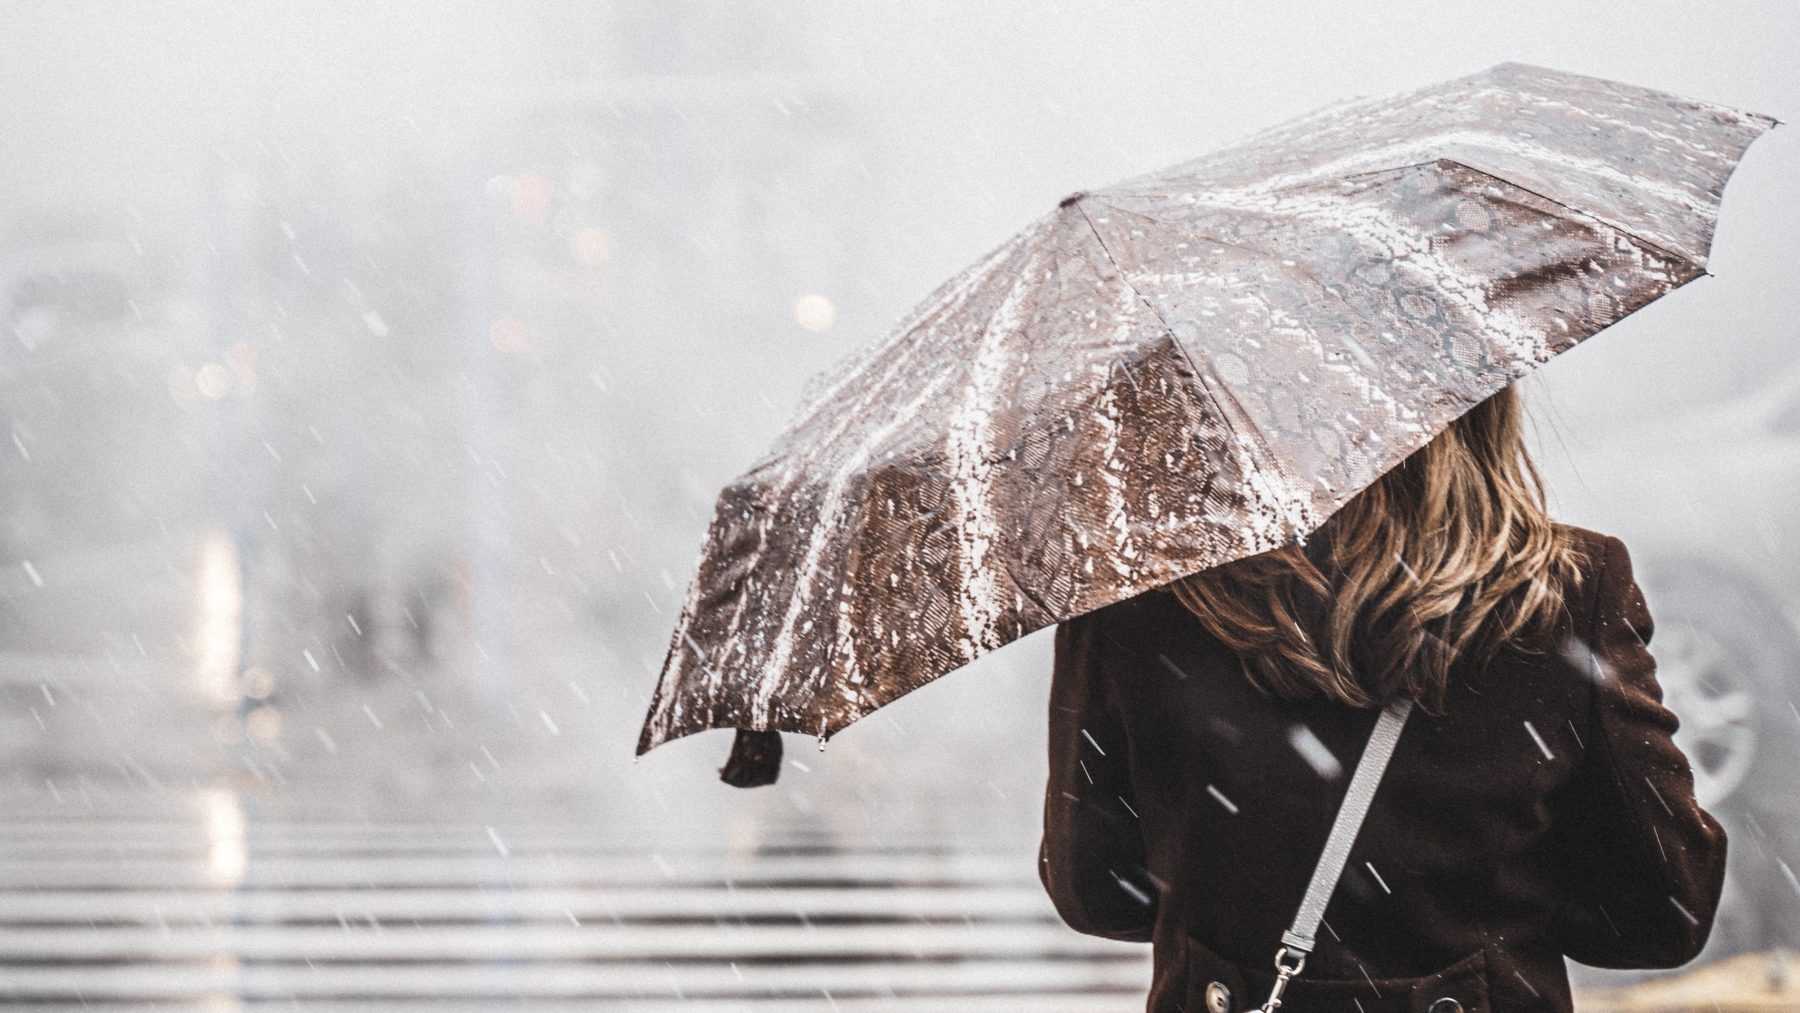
(213, 381)
(590, 247)
(814, 312)
(263, 724)
(220, 628)
(241, 357)
(225, 837)
(531, 197)
(256, 683)
(509, 335)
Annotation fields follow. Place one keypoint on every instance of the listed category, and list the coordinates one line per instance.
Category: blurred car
(1716, 560)
(77, 295)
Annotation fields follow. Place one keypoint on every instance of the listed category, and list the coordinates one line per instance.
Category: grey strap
(1299, 937)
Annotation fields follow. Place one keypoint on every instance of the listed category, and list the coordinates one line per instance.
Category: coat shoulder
(1587, 539)
(1605, 566)
(1594, 546)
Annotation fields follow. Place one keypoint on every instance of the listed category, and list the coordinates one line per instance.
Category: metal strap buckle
(1284, 973)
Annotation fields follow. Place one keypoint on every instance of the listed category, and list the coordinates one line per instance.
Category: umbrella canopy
(1182, 369)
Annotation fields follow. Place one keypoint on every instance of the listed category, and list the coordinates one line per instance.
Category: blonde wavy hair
(1442, 561)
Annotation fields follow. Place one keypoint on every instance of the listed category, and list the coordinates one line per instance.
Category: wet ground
(194, 817)
(213, 911)
(212, 906)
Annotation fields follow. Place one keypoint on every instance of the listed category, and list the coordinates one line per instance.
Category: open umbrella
(1176, 371)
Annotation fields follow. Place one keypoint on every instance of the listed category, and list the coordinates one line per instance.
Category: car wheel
(1723, 653)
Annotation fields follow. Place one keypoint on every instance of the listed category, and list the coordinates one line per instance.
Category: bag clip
(1284, 973)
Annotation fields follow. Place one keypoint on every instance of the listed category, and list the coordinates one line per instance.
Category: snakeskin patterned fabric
(1182, 369)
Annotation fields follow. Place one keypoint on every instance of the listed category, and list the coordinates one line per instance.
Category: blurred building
(355, 425)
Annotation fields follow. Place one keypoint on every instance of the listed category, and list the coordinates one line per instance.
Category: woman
(1202, 735)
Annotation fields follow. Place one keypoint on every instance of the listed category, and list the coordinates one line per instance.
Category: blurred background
(367, 373)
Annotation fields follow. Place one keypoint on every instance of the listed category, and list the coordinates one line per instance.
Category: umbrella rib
(1260, 441)
(1496, 177)
(1658, 247)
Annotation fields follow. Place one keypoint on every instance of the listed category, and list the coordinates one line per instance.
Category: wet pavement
(195, 819)
(213, 912)
(211, 907)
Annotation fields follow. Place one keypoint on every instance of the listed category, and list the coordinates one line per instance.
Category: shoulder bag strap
(1297, 941)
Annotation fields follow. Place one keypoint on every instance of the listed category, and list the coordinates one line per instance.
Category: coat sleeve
(1091, 859)
(1645, 863)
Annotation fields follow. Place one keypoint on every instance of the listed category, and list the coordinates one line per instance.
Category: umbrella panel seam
(1259, 438)
(1504, 181)
(1496, 177)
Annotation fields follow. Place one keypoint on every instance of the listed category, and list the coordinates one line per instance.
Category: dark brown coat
(1547, 813)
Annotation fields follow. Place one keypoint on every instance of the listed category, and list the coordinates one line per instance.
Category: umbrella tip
(755, 759)
(1072, 198)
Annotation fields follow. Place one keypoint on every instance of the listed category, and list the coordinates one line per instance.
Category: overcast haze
(372, 370)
